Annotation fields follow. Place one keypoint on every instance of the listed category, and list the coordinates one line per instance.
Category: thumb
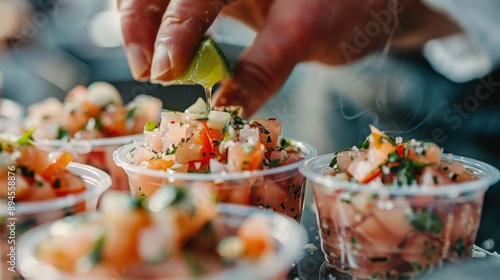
(262, 69)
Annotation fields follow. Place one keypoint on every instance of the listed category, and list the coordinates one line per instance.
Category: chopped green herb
(355, 243)
(460, 247)
(62, 133)
(333, 163)
(201, 119)
(345, 200)
(435, 179)
(27, 138)
(131, 113)
(269, 140)
(417, 266)
(233, 113)
(393, 157)
(365, 144)
(426, 222)
(193, 265)
(26, 172)
(262, 128)
(172, 149)
(95, 255)
(274, 162)
(137, 202)
(150, 126)
(57, 183)
(285, 143)
(378, 259)
(180, 195)
(39, 184)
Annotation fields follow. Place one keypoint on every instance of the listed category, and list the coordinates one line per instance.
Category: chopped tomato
(234, 194)
(206, 141)
(64, 182)
(400, 149)
(243, 156)
(372, 176)
(114, 123)
(34, 159)
(255, 233)
(159, 164)
(64, 159)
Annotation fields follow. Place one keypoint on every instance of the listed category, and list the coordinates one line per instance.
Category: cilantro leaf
(27, 138)
(426, 222)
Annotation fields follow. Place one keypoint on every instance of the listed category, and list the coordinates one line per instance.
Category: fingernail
(139, 64)
(161, 61)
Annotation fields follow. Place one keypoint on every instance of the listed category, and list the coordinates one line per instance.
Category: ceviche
(91, 112)
(389, 208)
(91, 123)
(31, 174)
(38, 187)
(178, 233)
(245, 160)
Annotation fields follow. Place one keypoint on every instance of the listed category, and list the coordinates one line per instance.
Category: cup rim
(120, 157)
(108, 141)
(487, 176)
(287, 253)
(89, 174)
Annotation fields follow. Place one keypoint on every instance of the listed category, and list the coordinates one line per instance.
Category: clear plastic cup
(95, 152)
(281, 189)
(374, 232)
(289, 235)
(30, 214)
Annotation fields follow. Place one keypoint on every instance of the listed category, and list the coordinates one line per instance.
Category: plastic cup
(290, 237)
(281, 189)
(373, 232)
(95, 152)
(26, 215)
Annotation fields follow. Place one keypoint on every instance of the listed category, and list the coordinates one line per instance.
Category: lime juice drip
(208, 96)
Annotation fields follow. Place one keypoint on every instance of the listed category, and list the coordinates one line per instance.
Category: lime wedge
(209, 66)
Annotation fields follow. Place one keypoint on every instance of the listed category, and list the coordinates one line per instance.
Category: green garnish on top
(27, 138)
(150, 126)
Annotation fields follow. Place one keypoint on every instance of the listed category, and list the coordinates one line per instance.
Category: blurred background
(49, 46)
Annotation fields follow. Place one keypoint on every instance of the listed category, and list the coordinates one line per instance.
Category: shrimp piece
(270, 131)
(364, 167)
(456, 171)
(345, 158)
(147, 108)
(120, 216)
(255, 232)
(424, 152)
(64, 252)
(142, 154)
(153, 140)
(42, 190)
(244, 156)
(422, 251)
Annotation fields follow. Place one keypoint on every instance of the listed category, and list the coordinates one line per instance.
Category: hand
(161, 37)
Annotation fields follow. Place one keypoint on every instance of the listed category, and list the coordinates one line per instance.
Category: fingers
(183, 25)
(265, 66)
(140, 21)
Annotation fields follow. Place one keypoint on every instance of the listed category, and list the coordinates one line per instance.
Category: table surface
(484, 265)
